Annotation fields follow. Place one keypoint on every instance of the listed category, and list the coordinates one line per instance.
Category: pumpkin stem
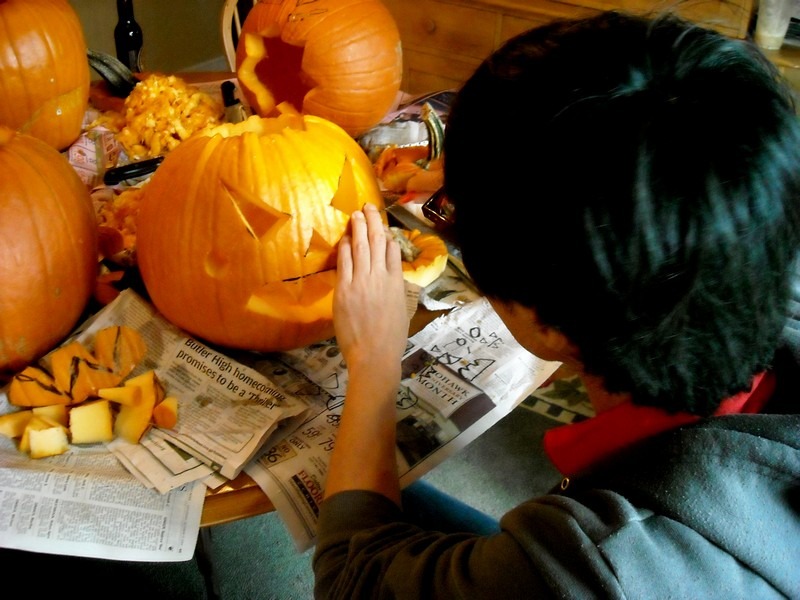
(435, 129)
(408, 249)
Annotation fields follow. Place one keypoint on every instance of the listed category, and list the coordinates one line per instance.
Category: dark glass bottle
(128, 37)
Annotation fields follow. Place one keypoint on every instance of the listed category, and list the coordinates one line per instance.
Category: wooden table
(237, 499)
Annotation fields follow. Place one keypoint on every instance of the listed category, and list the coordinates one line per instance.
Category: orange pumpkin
(44, 70)
(337, 59)
(238, 229)
(48, 248)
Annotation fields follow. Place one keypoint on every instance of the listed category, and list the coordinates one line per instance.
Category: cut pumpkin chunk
(91, 422)
(54, 412)
(133, 420)
(13, 424)
(119, 348)
(35, 387)
(37, 423)
(48, 441)
(124, 394)
(67, 396)
(165, 414)
(78, 373)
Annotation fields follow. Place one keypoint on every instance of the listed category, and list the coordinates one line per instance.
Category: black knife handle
(131, 171)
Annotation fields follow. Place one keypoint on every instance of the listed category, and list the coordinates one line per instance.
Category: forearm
(371, 328)
(363, 457)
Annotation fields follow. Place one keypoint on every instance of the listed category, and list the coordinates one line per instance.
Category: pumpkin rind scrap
(119, 349)
(78, 373)
(44, 70)
(48, 249)
(35, 387)
(337, 59)
(238, 230)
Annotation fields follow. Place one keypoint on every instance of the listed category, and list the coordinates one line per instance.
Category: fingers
(377, 236)
(359, 243)
(369, 247)
(344, 266)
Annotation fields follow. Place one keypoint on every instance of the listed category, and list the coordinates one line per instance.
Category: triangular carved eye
(318, 245)
(346, 197)
(261, 220)
(345, 200)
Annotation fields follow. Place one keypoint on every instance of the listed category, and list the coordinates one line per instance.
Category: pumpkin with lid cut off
(44, 70)
(337, 59)
(239, 227)
(48, 249)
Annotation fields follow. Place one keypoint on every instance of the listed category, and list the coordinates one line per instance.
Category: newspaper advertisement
(226, 413)
(461, 374)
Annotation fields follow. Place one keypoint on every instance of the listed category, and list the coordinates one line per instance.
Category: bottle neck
(128, 37)
(125, 9)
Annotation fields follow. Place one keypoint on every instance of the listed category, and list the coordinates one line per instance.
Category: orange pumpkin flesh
(36, 387)
(119, 348)
(238, 229)
(337, 59)
(48, 249)
(44, 70)
(72, 373)
(78, 373)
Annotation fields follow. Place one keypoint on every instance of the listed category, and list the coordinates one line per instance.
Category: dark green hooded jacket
(710, 510)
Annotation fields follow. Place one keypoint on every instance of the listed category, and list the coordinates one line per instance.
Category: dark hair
(635, 181)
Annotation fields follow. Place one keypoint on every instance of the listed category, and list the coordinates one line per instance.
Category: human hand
(369, 307)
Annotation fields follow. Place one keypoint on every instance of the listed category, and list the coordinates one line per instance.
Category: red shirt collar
(575, 447)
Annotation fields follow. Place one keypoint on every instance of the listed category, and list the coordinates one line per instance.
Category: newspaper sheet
(73, 503)
(461, 374)
(84, 503)
(226, 410)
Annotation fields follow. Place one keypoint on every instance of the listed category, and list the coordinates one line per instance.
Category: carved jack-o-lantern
(238, 229)
(338, 59)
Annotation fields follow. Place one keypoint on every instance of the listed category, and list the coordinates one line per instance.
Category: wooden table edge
(237, 499)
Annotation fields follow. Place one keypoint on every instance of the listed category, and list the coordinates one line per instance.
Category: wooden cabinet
(444, 40)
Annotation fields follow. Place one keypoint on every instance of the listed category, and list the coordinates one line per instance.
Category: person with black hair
(648, 170)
